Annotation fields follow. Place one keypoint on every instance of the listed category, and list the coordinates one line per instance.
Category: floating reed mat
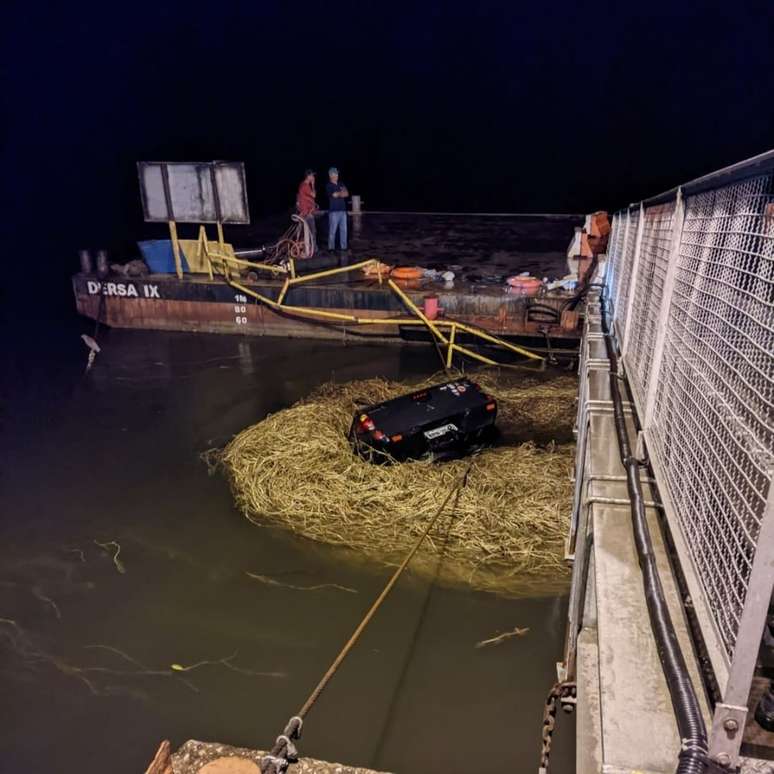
(504, 531)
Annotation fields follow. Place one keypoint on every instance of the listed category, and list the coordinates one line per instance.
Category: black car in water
(442, 421)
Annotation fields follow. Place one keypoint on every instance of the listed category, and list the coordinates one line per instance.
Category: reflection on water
(136, 604)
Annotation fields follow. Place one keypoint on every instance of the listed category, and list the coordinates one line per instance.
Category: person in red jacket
(306, 204)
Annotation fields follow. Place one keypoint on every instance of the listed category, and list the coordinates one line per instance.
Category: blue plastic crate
(158, 254)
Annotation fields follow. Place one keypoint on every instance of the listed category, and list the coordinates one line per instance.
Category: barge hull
(198, 304)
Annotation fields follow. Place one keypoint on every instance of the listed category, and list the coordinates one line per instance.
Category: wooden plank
(162, 760)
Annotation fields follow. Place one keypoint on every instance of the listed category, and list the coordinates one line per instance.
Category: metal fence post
(730, 715)
(610, 250)
(617, 271)
(666, 302)
(633, 281)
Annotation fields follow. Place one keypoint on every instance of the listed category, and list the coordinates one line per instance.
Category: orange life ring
(407, 273)
(529, 286)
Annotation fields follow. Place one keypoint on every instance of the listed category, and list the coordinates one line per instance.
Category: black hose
(693, 733)
(552, 313)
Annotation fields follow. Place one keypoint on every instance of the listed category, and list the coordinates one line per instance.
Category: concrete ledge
(588, 756)
(639, 732)
(211, 758)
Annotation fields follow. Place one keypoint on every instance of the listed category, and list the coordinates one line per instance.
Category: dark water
(115, 457)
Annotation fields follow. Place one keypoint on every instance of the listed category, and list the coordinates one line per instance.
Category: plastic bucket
(431, 307)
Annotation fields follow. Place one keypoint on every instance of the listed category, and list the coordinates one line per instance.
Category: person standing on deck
(337, 210)
(306, 204)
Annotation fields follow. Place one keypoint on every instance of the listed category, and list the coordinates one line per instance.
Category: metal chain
(559, 691)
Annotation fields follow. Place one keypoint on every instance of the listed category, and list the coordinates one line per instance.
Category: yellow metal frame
(331, 272)
(435, 326)
(227, 259)
(418, 312)
(176, 249)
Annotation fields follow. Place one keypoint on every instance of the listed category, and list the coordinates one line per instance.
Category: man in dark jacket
(337, 210)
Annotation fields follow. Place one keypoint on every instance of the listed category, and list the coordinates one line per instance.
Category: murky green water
(86, 650)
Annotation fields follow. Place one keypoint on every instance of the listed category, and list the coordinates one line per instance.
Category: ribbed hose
(690, 724)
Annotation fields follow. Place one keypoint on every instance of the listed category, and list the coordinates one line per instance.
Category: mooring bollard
(85, 258)
(102, 264)
(356, 205)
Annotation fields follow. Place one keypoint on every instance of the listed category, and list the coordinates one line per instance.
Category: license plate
(437, 432)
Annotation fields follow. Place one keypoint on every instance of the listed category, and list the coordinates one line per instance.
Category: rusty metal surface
(162, 302)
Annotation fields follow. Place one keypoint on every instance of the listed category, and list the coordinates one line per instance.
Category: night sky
(553, 106)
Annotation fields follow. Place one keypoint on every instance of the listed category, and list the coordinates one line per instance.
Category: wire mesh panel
(713, 423)
(615, 244)
(648, 292)
(625, 263)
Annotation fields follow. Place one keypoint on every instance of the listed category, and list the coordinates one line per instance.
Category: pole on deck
(176, 248)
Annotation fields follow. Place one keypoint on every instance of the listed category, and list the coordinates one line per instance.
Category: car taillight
(378, 435)
(397, 438)
(491, 406)
(366, 422)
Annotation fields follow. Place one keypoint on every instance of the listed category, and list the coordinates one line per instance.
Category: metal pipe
(450, 350)
(248, 264)
(331, 272)
(756, 165)
(495, 340)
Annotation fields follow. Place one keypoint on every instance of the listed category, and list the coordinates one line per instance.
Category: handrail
(274, 269)
(755, 165)
(435, 326)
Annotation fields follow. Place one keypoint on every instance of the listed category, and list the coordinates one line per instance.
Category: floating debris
(272, 582)
(505, 528)
(226, 662)
(501, 638)
(38, 594)
(116, 561)
(79, 551)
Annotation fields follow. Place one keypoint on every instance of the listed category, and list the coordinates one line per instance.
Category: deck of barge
(481, 250)
(482, 244)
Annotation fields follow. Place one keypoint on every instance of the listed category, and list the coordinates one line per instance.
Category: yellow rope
(372, 611)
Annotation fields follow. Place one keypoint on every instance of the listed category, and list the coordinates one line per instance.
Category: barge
(478, 296)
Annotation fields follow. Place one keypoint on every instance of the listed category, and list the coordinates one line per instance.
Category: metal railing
(690, 277)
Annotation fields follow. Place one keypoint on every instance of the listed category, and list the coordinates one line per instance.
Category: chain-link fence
(648, 291)
(691, 285)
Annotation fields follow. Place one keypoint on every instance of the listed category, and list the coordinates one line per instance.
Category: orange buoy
(527, 286)
(407, 273)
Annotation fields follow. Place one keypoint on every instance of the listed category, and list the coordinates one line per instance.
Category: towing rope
(284, 751)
